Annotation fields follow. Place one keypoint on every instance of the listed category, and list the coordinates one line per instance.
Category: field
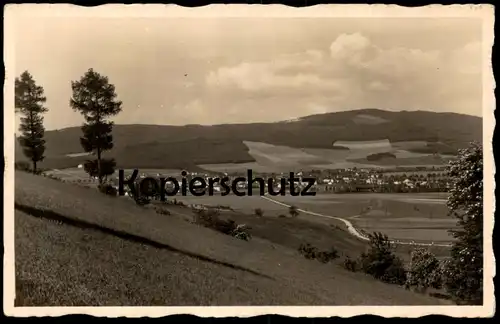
(77, 247)
(242, 167)
(278, 158)
(413, 172)
(405, 218)
(364, 119)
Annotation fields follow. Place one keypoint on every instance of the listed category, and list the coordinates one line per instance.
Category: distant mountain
(154, 146)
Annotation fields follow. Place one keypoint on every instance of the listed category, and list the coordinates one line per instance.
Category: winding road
(350, 228)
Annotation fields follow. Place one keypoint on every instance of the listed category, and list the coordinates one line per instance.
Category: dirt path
(350, 227)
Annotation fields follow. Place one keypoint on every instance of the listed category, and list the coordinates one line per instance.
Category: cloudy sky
(226, 70)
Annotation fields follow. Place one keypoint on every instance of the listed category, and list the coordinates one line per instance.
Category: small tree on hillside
(424, 270)
(29, 100)
(464, 273)
(107, 167)
(95, 98)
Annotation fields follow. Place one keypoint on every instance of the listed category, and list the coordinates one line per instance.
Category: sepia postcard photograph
(244, 160)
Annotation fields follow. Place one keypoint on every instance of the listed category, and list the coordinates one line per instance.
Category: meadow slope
(163, 146)
(108, 251)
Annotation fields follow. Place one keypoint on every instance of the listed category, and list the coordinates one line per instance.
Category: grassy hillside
(184, 146)
(108, 251)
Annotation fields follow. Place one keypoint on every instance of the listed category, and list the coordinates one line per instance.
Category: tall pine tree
(464, 272)
(29, 100)
(95, 98)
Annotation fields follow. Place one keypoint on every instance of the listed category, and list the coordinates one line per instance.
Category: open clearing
(78, 154)
(243, 167)
(268, 154)
(365, 119)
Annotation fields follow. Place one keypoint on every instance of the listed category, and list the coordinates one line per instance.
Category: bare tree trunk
(99, 173)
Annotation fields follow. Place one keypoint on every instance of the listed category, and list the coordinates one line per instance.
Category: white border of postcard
(484, 12)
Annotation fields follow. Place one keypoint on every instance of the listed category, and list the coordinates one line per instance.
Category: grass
(245, 204)
(82, 267)
(93, 264)
(292, 232)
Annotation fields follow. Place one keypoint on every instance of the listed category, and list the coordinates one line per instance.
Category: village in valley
(352, 180)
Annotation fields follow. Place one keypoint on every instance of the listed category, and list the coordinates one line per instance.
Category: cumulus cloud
(294, 71)
(261, 69)
(352, 49)
(355, 72)
(378, 86)
(467, 60)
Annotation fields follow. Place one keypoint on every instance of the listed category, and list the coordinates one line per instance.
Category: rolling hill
(77, 247)
(324, 140)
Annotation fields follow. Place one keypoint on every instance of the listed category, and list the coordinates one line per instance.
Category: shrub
(337, 227)
(54, 177)
(327, 256)
(22, 166)
(395, 273)
(259, 212)
(381, 262)
(294, 212)
(224, 226)
(38, 172)
(142, 201)
(308, 251)
(424, 270)
(108, 189)
(438, 275)
(241, 232)
(282, 216)
(350, 264)
(162, 211)
(312, 253)
(210, 218)
(206, 217)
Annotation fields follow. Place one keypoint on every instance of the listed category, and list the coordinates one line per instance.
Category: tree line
(94, 97)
